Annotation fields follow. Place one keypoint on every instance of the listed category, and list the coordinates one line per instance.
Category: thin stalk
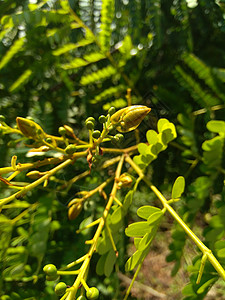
(98, 232)
(188, 231)
(133, 280)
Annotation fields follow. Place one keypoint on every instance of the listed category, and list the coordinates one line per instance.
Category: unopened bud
(124, 180)
(130, 117)
(75, 210)
(30, 129)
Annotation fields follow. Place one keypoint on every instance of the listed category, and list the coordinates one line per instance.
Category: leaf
(221, 253)
(134, 260)
(109, 262)
(206, 285)
(143, 148)
(136, 242)
(161, 124)
(21, 80)
(138, 229)
(16, 47)
(107, 15)
(138, 160)
(71, 46)
(101, 75)
(117, 215)
(104, 245)
(178, 187)
(145, 211)
(101, 264)
(128, 200)
(216, 126)
(154, 218)
(152, 137)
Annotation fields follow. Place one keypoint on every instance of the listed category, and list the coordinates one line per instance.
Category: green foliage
(60, 65)
(157, 143)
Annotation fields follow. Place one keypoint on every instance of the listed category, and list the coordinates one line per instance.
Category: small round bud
(90, 119)
(49, 140)
(96, 134)
(102, 119)
(60, 288)
(81, 298)
(2, 118)
(70, 149)
(111, 111)
(62, 131)
(89, 125)
(50, 270)
(92, 293)
(115, 140)
(119, 137)
(51, 278)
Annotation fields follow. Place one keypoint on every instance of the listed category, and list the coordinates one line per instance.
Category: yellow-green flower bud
(75, 210)
(30, 129)
(129, 118)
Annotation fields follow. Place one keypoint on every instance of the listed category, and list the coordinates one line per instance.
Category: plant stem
(133, 280)
(188, 231)
(86, 262)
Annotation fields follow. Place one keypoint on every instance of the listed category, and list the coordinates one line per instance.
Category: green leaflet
(21, 80)
(216, 126)
(213, 152)
(16, 47)
(138, 229)
(178, 187)
(68, 47)
(100, 75)
(107, 15)
(146, 211)
(109, 93)
(109, 262)
(142, 245)
(157, 143)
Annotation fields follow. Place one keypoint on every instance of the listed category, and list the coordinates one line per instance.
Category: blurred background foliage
(62, 61)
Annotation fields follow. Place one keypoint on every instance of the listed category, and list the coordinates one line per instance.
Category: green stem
(188, 231)
(133, 280)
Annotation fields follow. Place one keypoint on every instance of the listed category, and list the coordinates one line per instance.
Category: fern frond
(16, 47)
(108, 93)
(86, 60)
(21, 80)
(71, 46)
(107, 15)
(203, 72)
(100, 75)
(220, 73)
(118, 103)
(201, 96)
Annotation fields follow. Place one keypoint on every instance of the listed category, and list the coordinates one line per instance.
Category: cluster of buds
(61, 288)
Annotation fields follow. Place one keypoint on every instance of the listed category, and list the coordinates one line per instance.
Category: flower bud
(92, 293)
(102, 119)
(96, 134)
(34, 174)
(89, 125)
(30, 129)
(50, 270)
(130, 117)
(75, 210)
(62, 131)
(124, 180)
(60, 288)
